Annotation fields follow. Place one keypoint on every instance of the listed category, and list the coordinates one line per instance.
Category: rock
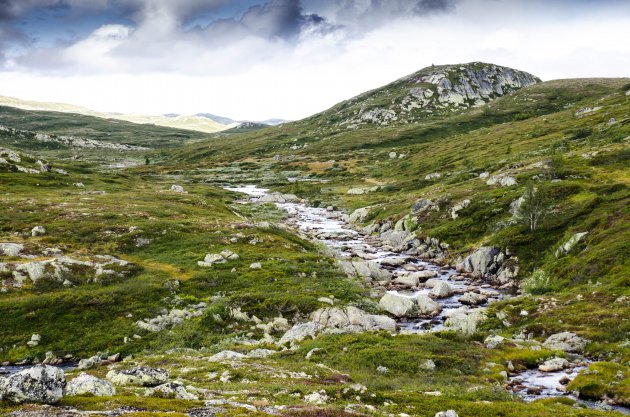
(256, 265)
(485, 261)
(38, 231)
(565, 341)
(409, 280)
(393, 155)
(359, 215)
(260, 353)
(492, 342)
(553, 365)
(473, 298)
(428, 365)
(449, 413)
(422, 205)
(35, 339)
(138, 375)
(441, 290)
(178, 189)
(88, 384)
(484, 175)
(427, 307)
(39, 384)
(459, 207)
(465, 320)
(174, 390)
(90, 362)
(326, 300)
(382, 369)
(365, 269)
(350, 320)
(229, 255)
(399, 305)
(566, 247)
(317, 398)
(227, 356)
(11, 249)
(300, 332)
(433, 175)
(502, 180)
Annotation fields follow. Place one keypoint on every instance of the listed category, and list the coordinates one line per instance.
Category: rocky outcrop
(139, 376)
(175, 390)
(39, 384)
(490, 263)
(174, 317)
(359, 215)
(368, 270)
(88, 384)
(11, 249)
(337, 320)
(218, 258)
(565, 341)
(568, 246)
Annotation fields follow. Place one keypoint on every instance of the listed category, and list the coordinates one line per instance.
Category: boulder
(90, 362)
(422, 205)
(459, 207)
(398, 305)
(473, 298)
(39, 384)
(565, 341)
(350, 320)
(88, 384)
(427, 307)
(178, 189)
(38, 231)
(492, 342)
(138, 375)
(449, 413)
(11, 249)
(359, 215)
(300, 332)
(175, 390)
(409, 280)
(553, 365)
(502, 180)
(365, 269)
(465, 320)
(441, 290)
(260, 353)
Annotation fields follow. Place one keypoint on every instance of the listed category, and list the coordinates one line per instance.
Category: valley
(456, 240)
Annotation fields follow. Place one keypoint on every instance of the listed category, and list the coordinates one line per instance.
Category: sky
(261, 59)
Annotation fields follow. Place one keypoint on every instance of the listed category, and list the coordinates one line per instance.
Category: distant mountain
(200, 124)
(218, 119)
(229, 121)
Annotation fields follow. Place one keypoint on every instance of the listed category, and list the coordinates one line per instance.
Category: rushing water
(330, 228)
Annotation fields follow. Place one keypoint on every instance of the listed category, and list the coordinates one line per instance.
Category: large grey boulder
(11, 249)
(359, 215)
(398, 305)
(300, 332)
(38, 231)
(427, 307)
(351, 320)
(565, 341)
(88, 384)
(365, 269)
(138, 375)
(39, 384)
(465, 320)
(473, 298)
(441, 290)
(553, 365)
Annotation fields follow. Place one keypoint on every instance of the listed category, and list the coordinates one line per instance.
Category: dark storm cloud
(423, 7)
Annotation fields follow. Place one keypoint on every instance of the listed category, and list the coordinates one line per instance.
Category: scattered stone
(90, 362)
(432, 176)
(459, 207)
(492, 342)
(227, 356)
(317, 397)
(88, 384)
(449, 413)
(11, 249)
(256, 265)
(441, 290)
(502, 180)
(473, 298)
(399, 305)
(465, 319)
(359, 215)
(178, 189)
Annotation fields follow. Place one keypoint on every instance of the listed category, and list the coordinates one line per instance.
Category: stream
(329, 227)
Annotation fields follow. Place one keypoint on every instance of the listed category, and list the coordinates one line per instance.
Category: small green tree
(535, 206)
(147, 161)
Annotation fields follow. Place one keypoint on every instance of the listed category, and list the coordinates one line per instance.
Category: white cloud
(229, 68)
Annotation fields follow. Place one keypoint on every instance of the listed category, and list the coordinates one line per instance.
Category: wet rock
(427, 307)
(39, 384)
(441, 290)
(473, 298)
(553, 365)
(565, 341)
(399, 305)
(365, 269)
(88, 384)
(407, 280)
(138, 375)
